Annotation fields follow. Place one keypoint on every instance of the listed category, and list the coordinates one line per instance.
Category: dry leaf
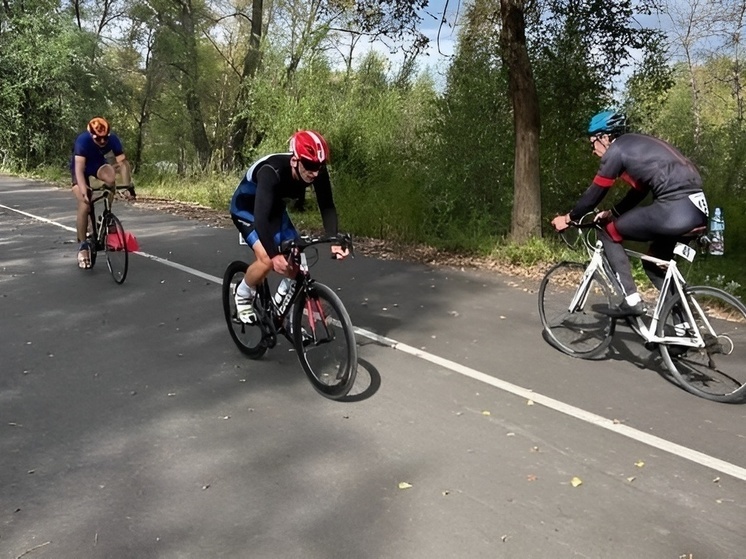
(404, 485)
(576, 481)
(485, 412)
(631, 479)
(530, 403)
(531, 477)
(639, 463)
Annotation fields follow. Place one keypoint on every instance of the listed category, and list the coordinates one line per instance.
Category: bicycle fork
(316, 315)
(581, 294)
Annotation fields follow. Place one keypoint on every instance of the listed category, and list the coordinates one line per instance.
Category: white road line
(656, 442)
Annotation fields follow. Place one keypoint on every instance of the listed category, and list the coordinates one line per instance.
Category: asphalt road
(133, 428)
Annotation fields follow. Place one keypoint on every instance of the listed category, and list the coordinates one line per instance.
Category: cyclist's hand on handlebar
(339, 253)
(561, 222)
(281, 265)
(603, 216)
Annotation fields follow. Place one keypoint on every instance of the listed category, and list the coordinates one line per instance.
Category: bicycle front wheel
(249, 338)
(581, 331)
(325, 341)
(115, 244)
(718, 370)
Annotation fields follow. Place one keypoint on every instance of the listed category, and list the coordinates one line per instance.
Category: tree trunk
(241, 127)
(526, 123)
(190, 79)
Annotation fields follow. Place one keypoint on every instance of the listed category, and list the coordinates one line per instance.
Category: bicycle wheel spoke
(717, 370)
(115, 244)
(584, 332)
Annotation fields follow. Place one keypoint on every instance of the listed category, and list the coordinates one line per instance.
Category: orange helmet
(309, 146)
(98, 126)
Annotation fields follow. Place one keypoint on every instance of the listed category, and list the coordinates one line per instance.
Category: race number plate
(685, 251)
(700, 201)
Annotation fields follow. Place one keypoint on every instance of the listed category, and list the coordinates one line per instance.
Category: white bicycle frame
(673, 276)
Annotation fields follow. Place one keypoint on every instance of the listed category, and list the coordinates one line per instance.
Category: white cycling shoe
(245, 309)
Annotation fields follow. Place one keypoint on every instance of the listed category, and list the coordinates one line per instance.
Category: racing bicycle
(310, 315)
(107, 234)
(700, 331)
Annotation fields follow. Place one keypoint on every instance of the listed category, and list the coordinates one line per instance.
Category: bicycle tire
(703, 371)
(115, 245)
(584, 333)
(325, 341)
(249, 338)
(93, 251)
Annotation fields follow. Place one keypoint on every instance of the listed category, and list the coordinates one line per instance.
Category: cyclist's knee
(107, 174)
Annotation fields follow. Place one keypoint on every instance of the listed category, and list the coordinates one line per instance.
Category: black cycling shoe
(624, 310)
(677, 350)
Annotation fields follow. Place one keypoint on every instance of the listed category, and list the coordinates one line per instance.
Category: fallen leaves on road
(404, 485)
(576, 482)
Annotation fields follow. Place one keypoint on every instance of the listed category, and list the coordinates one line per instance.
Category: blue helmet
(608, 122)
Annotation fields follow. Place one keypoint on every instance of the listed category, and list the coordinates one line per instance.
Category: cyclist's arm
(590, 199)
(630, 200)
(323, 187)
(80, 179)
(267, 187)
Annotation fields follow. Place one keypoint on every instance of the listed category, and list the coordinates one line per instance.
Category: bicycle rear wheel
(249, 338)
(115, 245)
(718, 370)
(325, 341)
(583, 331)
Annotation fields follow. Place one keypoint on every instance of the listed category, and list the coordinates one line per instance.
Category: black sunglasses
(311, 166)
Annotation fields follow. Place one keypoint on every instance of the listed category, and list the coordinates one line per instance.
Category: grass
(215, 190)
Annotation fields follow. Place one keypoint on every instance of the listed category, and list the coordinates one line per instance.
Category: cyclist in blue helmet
(649, 166)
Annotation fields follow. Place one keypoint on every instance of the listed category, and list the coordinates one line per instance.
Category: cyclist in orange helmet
(259, 212)
(98, 153)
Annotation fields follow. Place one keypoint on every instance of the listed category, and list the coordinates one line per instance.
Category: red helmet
(99, 127)
(309, 146)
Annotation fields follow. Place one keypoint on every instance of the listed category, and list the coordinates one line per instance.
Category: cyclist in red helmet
(259, 211)
(98, 153)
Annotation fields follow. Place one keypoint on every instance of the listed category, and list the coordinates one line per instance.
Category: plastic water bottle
(717, 233)
(282, 290)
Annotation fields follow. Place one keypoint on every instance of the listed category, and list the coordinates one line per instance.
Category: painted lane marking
(577, 413)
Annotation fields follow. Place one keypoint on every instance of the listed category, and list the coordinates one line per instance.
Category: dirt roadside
(385, 250)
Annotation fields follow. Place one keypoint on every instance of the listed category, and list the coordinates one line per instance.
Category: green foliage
(43, 62)
(535, 251)
(470, 164)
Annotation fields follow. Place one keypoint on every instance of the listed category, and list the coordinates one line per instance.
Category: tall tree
(526, 122)
(242, 128)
